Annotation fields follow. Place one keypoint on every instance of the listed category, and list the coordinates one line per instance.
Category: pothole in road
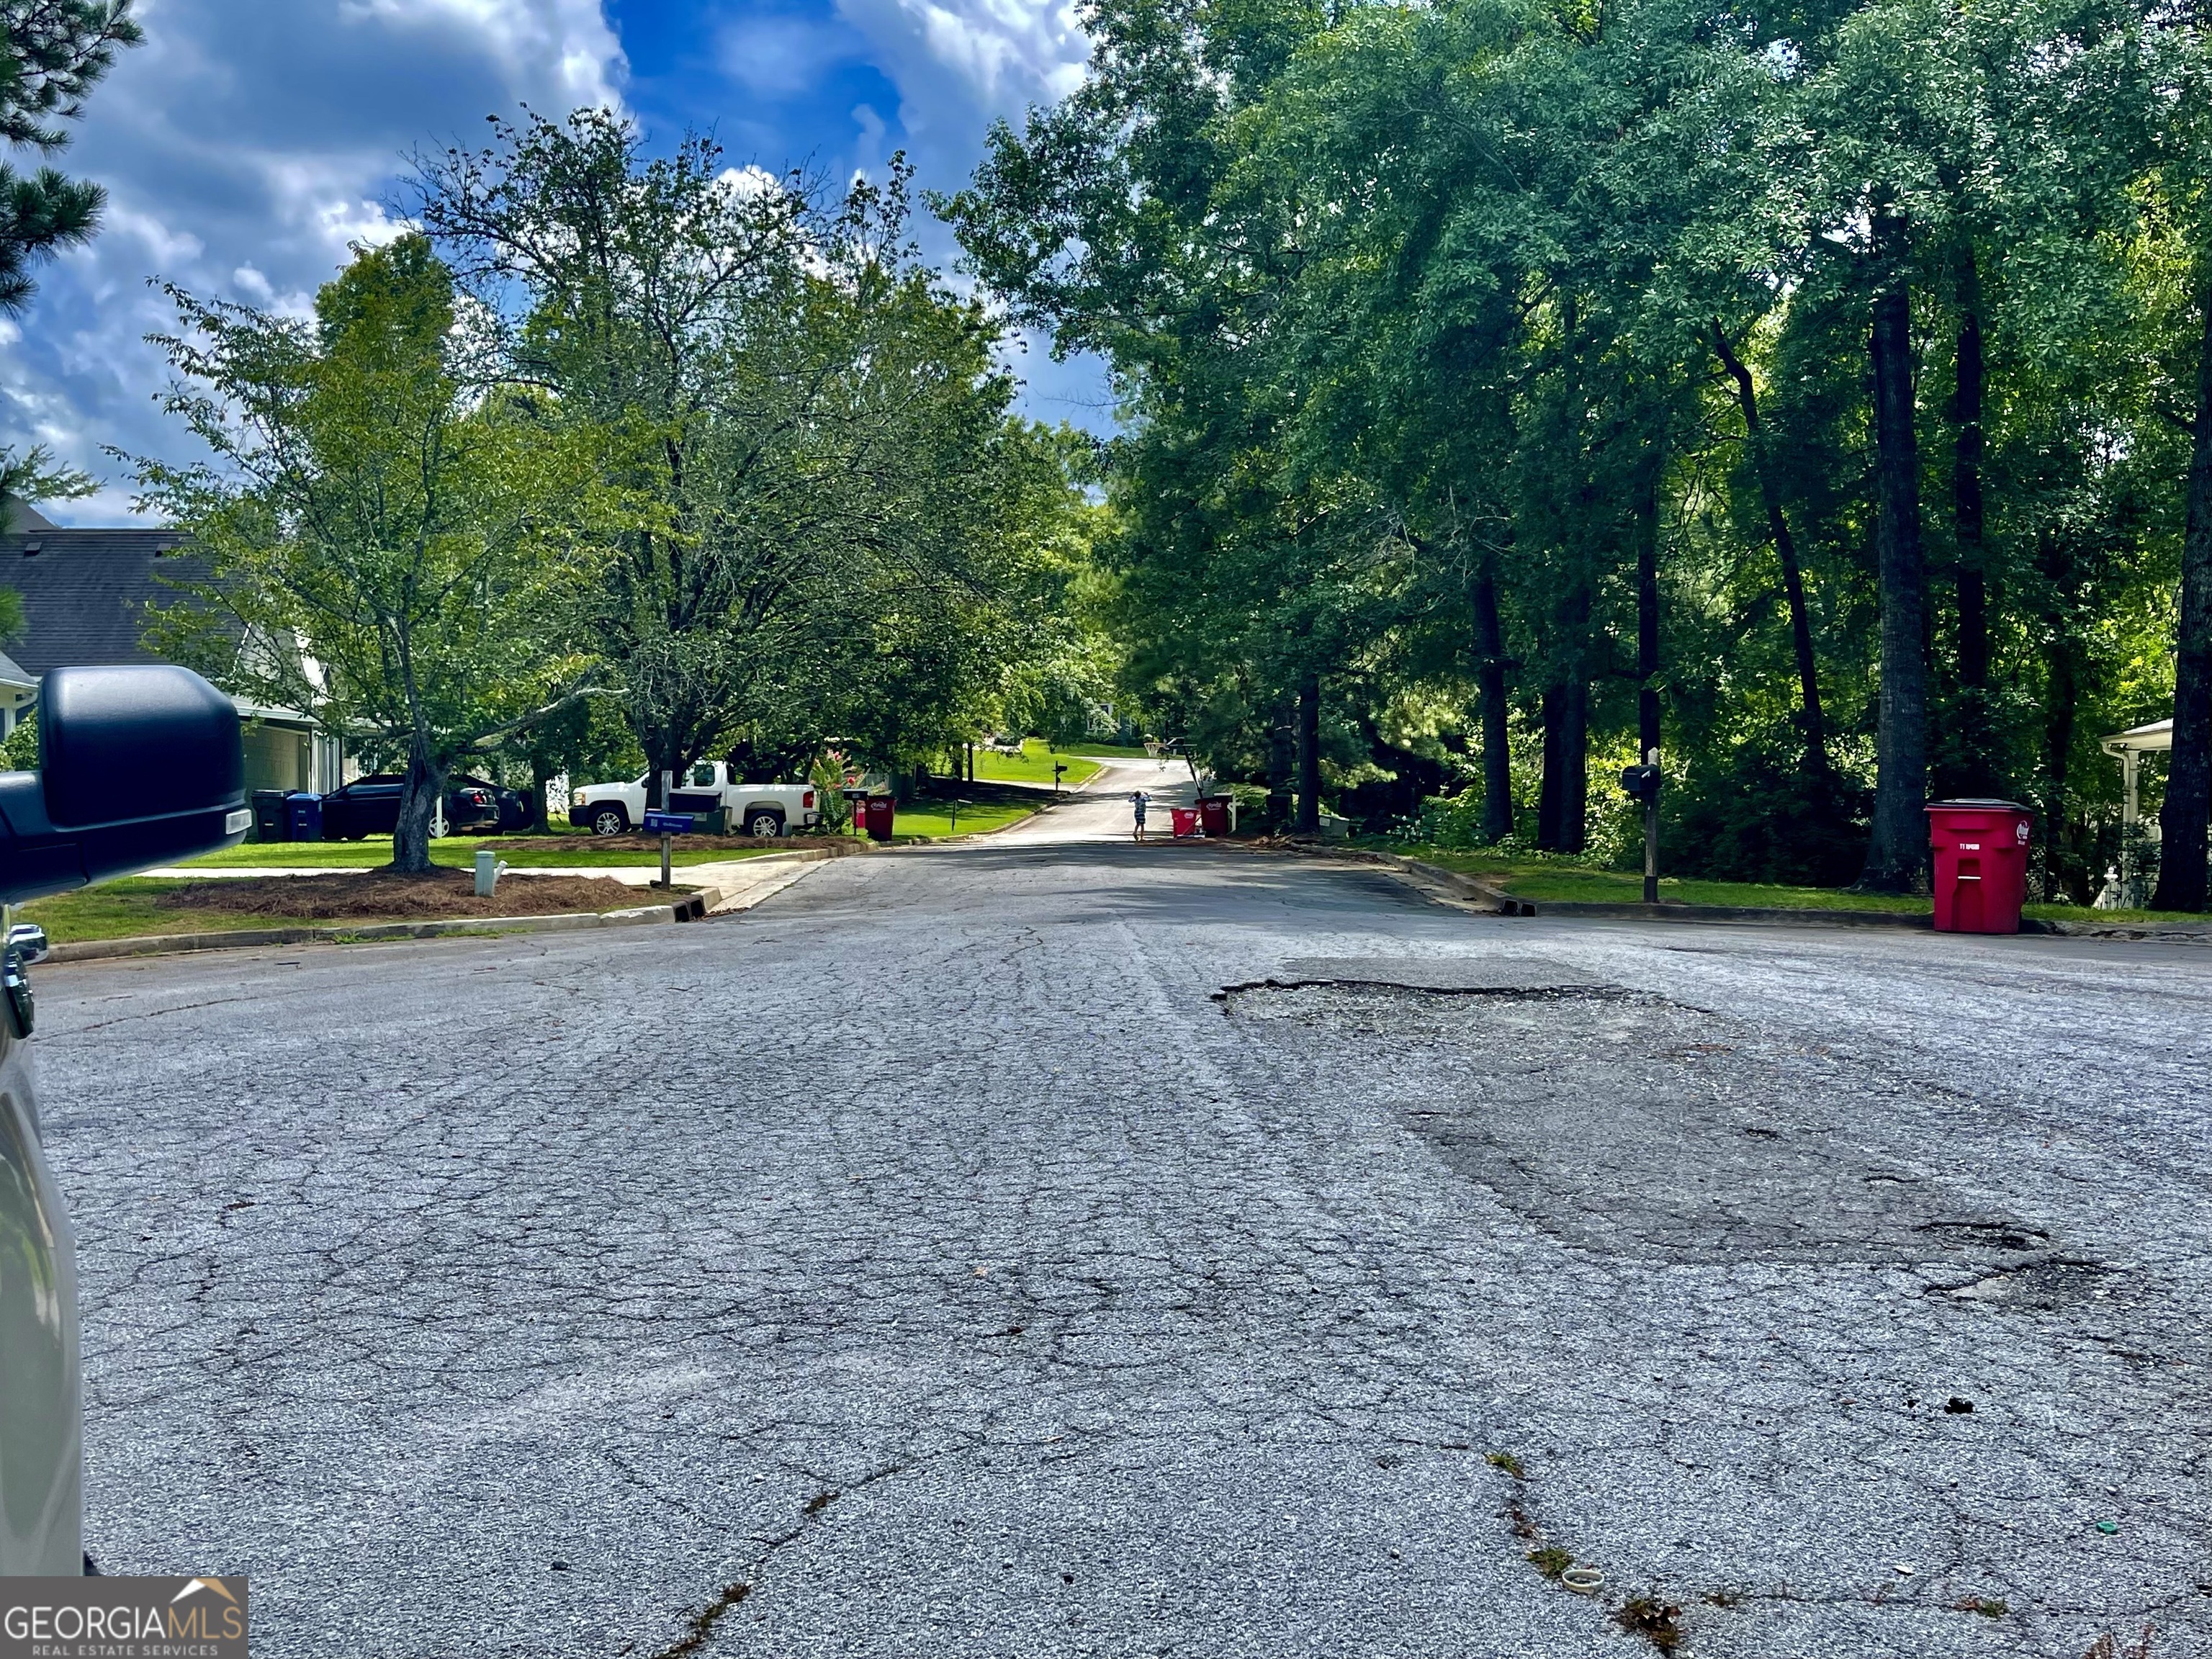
(2039, 1286)
(1481, 975)
(1623, 1122)
(1992, 1235)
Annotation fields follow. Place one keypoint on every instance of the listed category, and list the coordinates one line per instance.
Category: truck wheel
(609, 820)
(763, 824)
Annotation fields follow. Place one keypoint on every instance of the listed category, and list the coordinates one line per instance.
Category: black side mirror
(138, 767)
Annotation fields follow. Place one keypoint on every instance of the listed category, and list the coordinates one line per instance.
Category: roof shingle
(89, 594)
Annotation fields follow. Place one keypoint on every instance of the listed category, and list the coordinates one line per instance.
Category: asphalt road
(935, 1260)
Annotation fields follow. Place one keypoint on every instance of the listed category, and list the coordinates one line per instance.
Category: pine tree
(52, 52)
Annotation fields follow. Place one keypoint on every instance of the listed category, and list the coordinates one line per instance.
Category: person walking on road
(1138, 802)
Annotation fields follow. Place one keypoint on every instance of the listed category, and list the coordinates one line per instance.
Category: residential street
(933, 1261)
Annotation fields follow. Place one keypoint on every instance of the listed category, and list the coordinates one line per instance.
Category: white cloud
(958, 64)
(750, 179)
(525, 37)
(246, 147)
(949, 56)
(777, 56)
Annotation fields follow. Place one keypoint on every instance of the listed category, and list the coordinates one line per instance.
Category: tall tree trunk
(1563, 809)
(2183, 820)
(1550, 789)
(1647, 609)
(418, 805)
(1574, 765)
(1967, 484)
(1282, 765)
(662, 757)
(541, 780)
(1574, 722)
(1975, 745)
(1489, 686)
(1785, 549)
(1898, 851)
(2062, 869)
(1309, 754)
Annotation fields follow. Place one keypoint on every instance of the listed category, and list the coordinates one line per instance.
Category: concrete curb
(691, 907)
(1465, 887)
(1775, 915)
(2155, 932)
(736, 900)
(1505, 904)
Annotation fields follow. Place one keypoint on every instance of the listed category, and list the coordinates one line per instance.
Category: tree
(19, 749)
(807, 433)
(588, 740)
(399, 535)
(54, 51)
(2186, 817)
(1582, 373)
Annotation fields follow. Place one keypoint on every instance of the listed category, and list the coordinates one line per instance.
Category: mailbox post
(1642, 783)
(667, 826)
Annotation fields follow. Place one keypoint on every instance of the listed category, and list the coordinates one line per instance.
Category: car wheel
(763, 824)
(609, 820)
(440, 828)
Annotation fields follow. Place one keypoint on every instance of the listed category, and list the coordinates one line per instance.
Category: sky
(248, 143)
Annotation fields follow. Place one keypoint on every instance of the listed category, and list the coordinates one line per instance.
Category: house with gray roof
(19, 690)
(88, 599)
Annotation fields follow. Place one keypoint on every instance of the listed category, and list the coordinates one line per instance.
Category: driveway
(1099, 809)
(1093, 1249)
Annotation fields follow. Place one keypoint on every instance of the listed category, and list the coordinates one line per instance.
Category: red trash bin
(1214, 813)
(879, 811)
(1981, 864)
(1184, 820)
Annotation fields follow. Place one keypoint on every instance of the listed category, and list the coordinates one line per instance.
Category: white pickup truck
(764, 809)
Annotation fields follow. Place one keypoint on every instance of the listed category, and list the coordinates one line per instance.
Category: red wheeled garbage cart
(1214, 813)
(879, 811)
(1981, 864)
(1184, 820)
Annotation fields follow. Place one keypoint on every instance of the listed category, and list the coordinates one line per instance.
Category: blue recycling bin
(304, 815)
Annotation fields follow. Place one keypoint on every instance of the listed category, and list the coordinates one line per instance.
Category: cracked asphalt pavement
(1094, 1249)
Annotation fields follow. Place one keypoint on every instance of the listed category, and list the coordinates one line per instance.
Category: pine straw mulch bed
(381, 895)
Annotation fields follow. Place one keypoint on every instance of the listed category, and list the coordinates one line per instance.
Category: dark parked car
(370, 807)
(514, 813)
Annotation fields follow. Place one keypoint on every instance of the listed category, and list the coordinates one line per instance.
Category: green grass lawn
(1034, 765)
(935, 817)
(1110, 751)
(137, 906)
(1565, 883)
(458, 852)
